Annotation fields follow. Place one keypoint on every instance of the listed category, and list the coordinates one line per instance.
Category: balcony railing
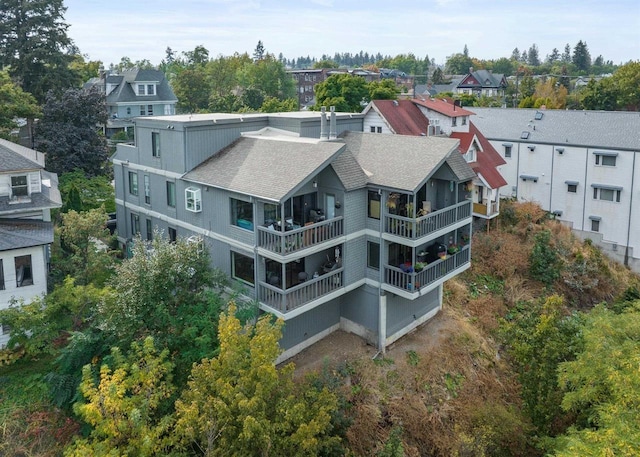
(290, 299)
(485, 210)
(415, 281)
(424, 225)
(301, 238)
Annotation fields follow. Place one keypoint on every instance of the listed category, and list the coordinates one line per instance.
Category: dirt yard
(340, 346)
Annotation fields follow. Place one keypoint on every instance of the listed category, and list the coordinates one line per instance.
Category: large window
(373, 255)
(155, 144)
(147, 190)
(242, 267)
(171, 194)
(133, 183)
(607, 194)
(149, 230)
(19, 185)
(24, 275)
(242, 214)
(193, 199)
(606, 159)
(135, 224)
(373, 204)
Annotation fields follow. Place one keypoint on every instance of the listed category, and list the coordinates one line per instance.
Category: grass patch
(22, 384)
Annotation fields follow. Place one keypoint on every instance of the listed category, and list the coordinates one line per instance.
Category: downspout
(626, 249)
(382, 299)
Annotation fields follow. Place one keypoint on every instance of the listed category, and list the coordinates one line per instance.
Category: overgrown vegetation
(537, 353)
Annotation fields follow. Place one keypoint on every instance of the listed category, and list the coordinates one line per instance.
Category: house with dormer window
(133, 93)
(482, 83)
(28, 193)
(324, 225)
(429, 117)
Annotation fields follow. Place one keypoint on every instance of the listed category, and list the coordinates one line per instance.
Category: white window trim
(193, 199)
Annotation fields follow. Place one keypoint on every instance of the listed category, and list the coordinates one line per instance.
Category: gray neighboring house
(133, 93)
(27, 194)
(583, 166)
(482, 83)
(322, 224)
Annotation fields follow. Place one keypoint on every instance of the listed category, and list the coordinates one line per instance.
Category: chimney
(470, 70)
(323, 124)
(333, 131)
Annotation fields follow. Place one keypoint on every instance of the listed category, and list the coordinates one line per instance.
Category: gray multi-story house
(133, 93)
(27, 194)
(325, 226)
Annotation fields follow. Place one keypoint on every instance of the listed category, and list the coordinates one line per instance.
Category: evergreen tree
(533, 57)
(34, 45)
(581, 57)
(258, 53)
(566, 55)
(515, 54)
(554, 56)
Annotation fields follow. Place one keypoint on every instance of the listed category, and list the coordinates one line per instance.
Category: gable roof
(603, 129)
(402, 116)
(400, 161)
(442, 106)
(24, 233)
(124, 92)
(14, 157)
(483, 79)
(266, 167)
(487, 160)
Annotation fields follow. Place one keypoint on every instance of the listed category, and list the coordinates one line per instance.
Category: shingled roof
(442, 106)
(14, 157)
(488, 158)
(402, 116)
(24, 233)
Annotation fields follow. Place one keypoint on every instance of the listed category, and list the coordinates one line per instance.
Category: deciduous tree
(14, 103)
(241, 404)
(346, 92)
(69, 132)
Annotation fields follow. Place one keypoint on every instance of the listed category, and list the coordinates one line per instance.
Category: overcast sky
(142, 29)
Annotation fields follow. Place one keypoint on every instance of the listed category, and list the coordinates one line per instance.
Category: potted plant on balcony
(419, 266)
(452, 249)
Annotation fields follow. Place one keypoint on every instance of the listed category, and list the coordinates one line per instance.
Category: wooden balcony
(414, 229)
(301, 294)
(485, 211)
(296, 239)
(415, 281)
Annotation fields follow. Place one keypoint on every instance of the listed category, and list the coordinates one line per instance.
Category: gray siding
(171, 149)
(355, 260)
(355, 203)
(401, 312)
(361, 306)
(311, 323)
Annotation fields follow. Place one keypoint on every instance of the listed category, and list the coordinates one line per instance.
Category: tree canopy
(14, 103)
(68, 132)
(35, 47)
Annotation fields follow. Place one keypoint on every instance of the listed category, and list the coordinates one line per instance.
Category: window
(470, 156)
(373, 255)
(372, 129)
(242, 267)
(142, 111)
(572, 187)
(373, 204)
(150, 110)
(141, 90)
(151, 89)
(606, 159)
(378, 129)
(19, 186)
(5, 329)
(464, 120)
(242, 214)
(149, 230)
(147, 190)
(595, 223)
(155, 144)
(454, 121)
(133, 183)
(1, 276)
(128, 110)
(173, 234)
(171, 194)
(507, 149)
(606, 193)
(271, 213)
(135, 224)
(193, 199)
(24, 275)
